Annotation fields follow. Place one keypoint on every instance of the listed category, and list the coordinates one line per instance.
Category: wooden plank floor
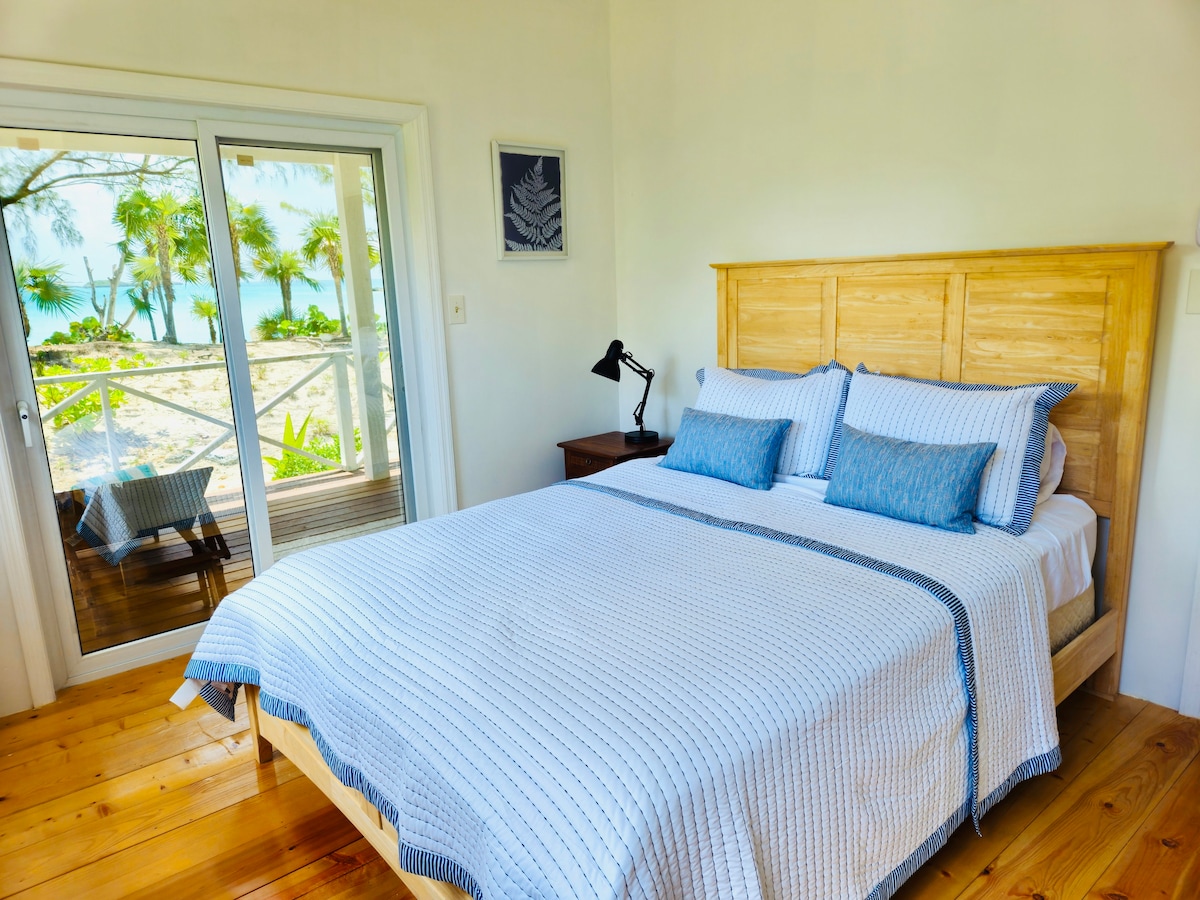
(111, 792)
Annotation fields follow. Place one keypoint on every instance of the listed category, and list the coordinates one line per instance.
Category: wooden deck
(113, 793)
(114, 605)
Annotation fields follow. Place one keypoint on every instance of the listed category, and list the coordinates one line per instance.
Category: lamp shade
(610, 366)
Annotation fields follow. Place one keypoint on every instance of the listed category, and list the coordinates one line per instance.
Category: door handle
(23, 412)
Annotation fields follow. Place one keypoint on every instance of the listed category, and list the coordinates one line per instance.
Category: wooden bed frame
(1077, 314)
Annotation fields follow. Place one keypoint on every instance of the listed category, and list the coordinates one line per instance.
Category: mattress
(648, 684)
(1062, 533)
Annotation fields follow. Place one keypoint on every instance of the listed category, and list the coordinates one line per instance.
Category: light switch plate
(1193, 300)
(456, 309)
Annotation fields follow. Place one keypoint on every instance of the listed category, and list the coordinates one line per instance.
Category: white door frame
(44, 95)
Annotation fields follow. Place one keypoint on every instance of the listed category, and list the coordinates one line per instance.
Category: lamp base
(641, 437)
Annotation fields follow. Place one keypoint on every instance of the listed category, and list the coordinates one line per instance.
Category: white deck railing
(103, 383)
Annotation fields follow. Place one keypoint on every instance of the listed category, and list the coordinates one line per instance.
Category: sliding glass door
(304, 235)
(215, 381)
(114, 295)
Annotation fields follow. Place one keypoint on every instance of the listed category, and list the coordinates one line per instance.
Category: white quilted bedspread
(649, 685)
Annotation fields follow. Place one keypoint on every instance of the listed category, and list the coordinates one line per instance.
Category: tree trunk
(235, 242)
(337, 289)
(92, 287)
(332, 256)
(114, 282)
(285, 288)
(212, 332)
(158, 296)
(24, 318)
(168, 289)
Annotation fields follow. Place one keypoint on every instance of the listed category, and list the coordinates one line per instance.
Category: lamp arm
(636, 366)
(647, 374)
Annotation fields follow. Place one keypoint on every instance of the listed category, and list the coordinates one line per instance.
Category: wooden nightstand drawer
(586, 456)
(578, 464)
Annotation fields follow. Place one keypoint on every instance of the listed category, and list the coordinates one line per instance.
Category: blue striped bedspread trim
(412, 859)
(1038, 765)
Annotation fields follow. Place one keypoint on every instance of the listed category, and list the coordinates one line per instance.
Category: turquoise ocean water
(257, 298)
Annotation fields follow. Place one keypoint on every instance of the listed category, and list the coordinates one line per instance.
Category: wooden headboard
(1077, 314)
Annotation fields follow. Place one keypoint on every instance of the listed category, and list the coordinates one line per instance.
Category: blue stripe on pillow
(766, 374)
(835, 441)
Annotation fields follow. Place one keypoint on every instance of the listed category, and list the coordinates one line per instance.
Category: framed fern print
(530, 184)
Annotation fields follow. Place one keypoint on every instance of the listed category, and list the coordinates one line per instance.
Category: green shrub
(323, 443)
(88, 331)
(273, 326)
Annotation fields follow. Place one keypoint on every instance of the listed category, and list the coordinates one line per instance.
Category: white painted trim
(24, 74)
(139, 653)
(437, 493)
(24, 592)
(1189, 698)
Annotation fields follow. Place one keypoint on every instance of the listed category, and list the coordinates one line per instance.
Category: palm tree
(173, 230)
(207, 310)
(43, 286)
(146, 276)
(143, 307)
(323, 245)
(249, 227)
(283, 267)
(193, 262)
(268, 327)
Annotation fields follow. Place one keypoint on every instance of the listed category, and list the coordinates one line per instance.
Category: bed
(553, 679)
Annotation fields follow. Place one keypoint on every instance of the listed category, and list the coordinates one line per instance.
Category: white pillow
(940, 412)
(1053, 459)
(813, 401)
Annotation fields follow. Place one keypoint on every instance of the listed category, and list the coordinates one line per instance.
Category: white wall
(754, 129)
(519, 367)
(758, 129)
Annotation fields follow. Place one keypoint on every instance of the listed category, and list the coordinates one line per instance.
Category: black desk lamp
(610, 367)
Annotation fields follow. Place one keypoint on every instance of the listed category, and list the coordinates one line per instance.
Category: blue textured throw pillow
(930, 484)
(731, 448)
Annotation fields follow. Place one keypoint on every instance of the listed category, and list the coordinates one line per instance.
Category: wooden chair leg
(217, 574)
(205, 587)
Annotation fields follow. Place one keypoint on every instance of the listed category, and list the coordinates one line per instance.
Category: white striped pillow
(942, 412)
(813, 401)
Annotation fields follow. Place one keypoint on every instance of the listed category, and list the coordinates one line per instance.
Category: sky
(93, 217)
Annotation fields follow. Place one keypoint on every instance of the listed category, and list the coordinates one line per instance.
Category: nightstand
(584, 456)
